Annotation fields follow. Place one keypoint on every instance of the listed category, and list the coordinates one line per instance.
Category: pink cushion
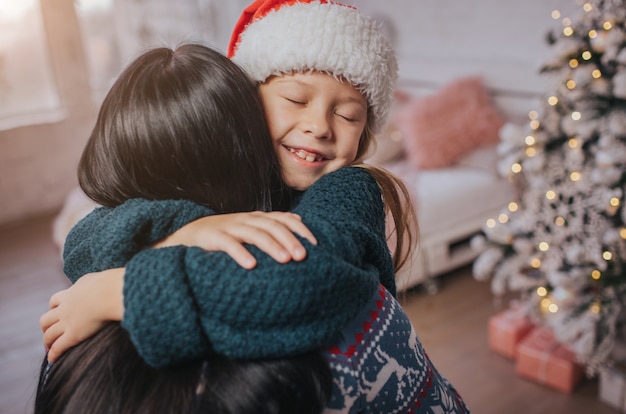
(439, 129)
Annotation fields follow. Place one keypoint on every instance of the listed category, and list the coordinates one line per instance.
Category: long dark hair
(182, 124)
(105, 374)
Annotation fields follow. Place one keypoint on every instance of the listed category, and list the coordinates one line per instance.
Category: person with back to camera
(296, 97)
(160, 135)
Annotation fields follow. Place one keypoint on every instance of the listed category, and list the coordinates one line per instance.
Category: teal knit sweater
(183, 302)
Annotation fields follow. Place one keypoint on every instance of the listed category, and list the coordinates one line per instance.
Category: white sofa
(443, 144)
(452, 204)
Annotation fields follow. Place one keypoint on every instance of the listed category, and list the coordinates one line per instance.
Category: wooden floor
(452, 324)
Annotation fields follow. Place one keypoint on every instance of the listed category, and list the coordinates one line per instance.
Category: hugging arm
(177, 300)
(273, 309)
(108, 237)
(240, 313)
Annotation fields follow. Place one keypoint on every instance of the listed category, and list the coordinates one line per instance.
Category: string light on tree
(595, 308)
(567, 231)
(596, 274)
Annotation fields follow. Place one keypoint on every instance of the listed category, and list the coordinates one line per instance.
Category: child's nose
(318, 123)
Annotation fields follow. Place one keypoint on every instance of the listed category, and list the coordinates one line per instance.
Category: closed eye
(294, 101)
(347, 118)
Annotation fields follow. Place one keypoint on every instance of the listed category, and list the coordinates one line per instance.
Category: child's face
(315, 122)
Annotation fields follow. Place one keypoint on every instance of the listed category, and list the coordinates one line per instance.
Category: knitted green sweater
(183, 302)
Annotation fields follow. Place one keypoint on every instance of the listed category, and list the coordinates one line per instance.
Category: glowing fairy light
(553, 100)
(576, 116)
(622, 233)
(614, 204)
(553, 308)
(556, 14)
(596, 275)
(575, 176)
(559, 221)
(570, 84)
(535, 263)
(550, 194)
(491, 223)
(607, 25)
(573, 63)
(534, 124)
(513, 206)
(531, 152)
(542, 291)
(587, 7)
(567, 21)
(503, 218)
(533, 115)
(592, 34)
(568, 31)
(544, 246)
(596, 74)
(529, 140)
(595, 308)
(516, 168)
(573, 143)
(607, 255)
(586, 55)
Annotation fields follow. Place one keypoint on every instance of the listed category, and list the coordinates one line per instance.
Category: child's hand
(81, 310)
(272, 232)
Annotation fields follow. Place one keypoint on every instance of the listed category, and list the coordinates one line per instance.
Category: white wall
(502, 40)
(436, 41)
(37, 163)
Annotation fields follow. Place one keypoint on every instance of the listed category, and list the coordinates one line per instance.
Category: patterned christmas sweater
(380, 366)
(183, 303)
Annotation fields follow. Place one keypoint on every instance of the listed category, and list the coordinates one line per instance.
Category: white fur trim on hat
(331, 38)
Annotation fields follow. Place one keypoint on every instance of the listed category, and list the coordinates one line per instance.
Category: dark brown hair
(181, 124)
(105, 375)
(399, 203)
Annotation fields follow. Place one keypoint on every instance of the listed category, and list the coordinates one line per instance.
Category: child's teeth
(304, 155)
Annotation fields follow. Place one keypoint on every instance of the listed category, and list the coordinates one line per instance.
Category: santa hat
(274, 37)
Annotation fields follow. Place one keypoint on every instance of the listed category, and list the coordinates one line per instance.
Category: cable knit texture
(108, 238)
(183, 303)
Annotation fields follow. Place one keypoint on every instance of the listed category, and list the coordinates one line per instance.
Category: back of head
(105, 374)
(274, 37)
(184, 123)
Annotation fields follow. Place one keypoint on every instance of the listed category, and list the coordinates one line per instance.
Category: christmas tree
(562, 243)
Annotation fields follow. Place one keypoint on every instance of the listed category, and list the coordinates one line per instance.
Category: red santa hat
(274, 37)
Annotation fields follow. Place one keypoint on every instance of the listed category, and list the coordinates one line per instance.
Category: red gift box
(507, 329)
(540, 357)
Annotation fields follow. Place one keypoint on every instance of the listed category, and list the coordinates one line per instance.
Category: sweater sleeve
(108, 237)
(275, 309)
(346, 213)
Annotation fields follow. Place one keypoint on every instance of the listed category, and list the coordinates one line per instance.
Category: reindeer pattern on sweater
(380, 366)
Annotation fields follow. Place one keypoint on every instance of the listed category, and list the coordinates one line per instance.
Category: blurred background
(58, 58)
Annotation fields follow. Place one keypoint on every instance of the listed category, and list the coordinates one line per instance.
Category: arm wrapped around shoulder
(274, 309)
(109, 237)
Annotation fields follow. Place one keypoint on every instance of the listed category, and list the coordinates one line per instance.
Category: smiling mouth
(305, 155)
